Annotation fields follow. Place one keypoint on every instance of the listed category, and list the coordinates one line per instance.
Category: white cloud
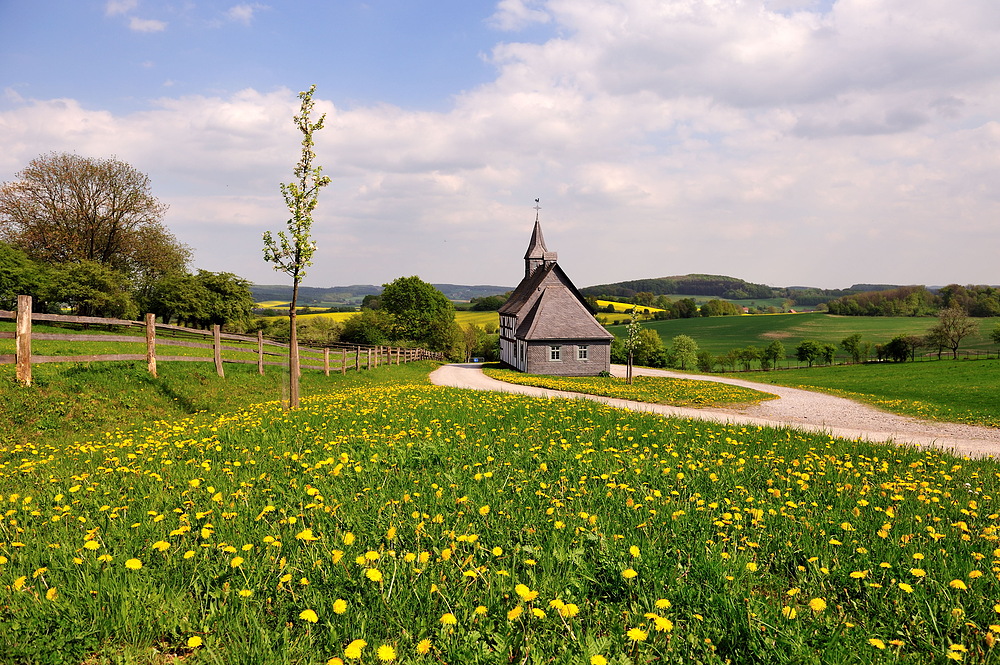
(518, 14)
(137, 24)
(116, 7)
(853, 143)
(244, 13)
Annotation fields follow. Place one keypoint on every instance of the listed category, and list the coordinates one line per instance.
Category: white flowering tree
(292, 251)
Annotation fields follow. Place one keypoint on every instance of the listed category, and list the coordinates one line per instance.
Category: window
(555, 352)
(581, 352)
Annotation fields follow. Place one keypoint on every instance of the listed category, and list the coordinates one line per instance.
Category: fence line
(318, 359)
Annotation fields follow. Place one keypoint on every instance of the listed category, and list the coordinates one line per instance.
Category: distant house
(546, 326)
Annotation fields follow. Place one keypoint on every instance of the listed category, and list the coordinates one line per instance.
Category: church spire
(538, 255)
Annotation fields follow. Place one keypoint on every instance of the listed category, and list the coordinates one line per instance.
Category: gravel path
(802, 409)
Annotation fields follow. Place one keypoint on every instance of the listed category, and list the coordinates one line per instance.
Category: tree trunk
(293, 350)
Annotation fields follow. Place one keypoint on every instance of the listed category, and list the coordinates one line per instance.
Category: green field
(964, 391)
(719, 334)
(401, 522)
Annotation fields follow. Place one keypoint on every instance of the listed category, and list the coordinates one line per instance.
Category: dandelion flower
(19, 582)
(306, 534)
(194, 642)
(308, 615)
(353, 650)
(906, 587)
(514, 613)
(339, 606)
(751, 566)
(246, 593)
(424, 647)
(628, 573)
(634, 551)
(663, 625)
(91, 545)
(133, 564)
(497, 551)
(877, 643)
(539, 613)
(335, 661)
(637, 634)
(917, 572)
(160, 545)
(386, 653)
(788, 612)
(480, 610)
(349, 540)
(448, 619)
(374, 574)
(569, 610)
(958, 584)
(51, 593)
(817, 604)
(525, 593)
(236, 562)
(662, 604)
(598, 659)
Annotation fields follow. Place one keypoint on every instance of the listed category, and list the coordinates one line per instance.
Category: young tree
(995, 335)
(772, 355)
(292, 252)
(808, 351)
(952, 327)
(684, 351)
(852, 344)
(631, 343)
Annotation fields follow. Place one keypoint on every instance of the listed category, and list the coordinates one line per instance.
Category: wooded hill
(353, 295)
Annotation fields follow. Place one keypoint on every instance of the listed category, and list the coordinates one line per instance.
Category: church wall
(598, 358)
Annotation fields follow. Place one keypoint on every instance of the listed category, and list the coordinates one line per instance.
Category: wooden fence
(339, 357)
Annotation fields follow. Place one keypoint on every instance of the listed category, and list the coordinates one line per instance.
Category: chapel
(546, 326)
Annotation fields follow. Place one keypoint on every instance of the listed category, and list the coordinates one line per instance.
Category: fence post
(368, 360)
(22, 341)
(260, 352)
(217, 348)
(357, 359)
(326, 360)
(151, 343)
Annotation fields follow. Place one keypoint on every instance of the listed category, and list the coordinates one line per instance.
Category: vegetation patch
(656, 390)
(418, 524)
(965, 391)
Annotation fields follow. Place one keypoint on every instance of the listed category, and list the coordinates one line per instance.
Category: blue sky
(788, 142)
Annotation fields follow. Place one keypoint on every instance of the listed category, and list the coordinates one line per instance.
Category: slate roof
(549, 307)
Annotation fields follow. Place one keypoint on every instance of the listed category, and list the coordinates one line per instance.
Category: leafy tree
(92, 289)
(952, 327)
(853, 345)
(371, 326)
(64, 208)
(487, 303)
(716, 307)
(746, 356)
(808, 351)
(828, 352)
(649, 349)
(995, 334)
(898, 349)
(19, 275)
(319, 331)
(292, 252)
(371, 301)
(773, 354)
(706, 361)
(684, 351)
(421, 314)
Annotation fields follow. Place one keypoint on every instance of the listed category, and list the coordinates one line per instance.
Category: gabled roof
(550, 307)
(558, 314)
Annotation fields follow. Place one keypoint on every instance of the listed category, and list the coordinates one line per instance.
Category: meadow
(964, 391)
(720, 334)
(655, 390)
(400, 522)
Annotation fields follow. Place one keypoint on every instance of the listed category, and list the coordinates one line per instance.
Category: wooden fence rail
(344, 355)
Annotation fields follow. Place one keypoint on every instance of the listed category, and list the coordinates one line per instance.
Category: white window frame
(555, 353)
(583, 352)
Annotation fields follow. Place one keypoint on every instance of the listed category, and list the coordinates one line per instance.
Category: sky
(785, 142)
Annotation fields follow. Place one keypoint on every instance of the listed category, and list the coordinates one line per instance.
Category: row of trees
(88, 234)
(973, 300)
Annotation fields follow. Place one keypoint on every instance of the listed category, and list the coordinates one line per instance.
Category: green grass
(964, 391)
(655, 390)
(409, 515)
(719, 334)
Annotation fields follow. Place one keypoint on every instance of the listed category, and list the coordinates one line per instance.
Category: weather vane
(537, 208)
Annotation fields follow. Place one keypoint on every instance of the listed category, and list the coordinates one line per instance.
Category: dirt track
(801, 409)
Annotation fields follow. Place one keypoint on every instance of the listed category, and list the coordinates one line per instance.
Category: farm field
(719, 334)
(481, 319)
(964, 391)
(400, 522)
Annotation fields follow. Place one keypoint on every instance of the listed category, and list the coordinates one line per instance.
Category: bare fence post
(151, 343)
(22, 341)
(326, 360)
(368, 360)
(343, 362)
(217, 349)
(357, 359)
(260, 352)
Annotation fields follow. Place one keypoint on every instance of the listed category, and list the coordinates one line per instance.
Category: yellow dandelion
(628, 573)
(386, 653)
(133, 564)
(751, 566)
(637, 634)
(906, 587)
(51, 593)
(958, 584)
(348, 538)
(335, 661)
(353, 650)
(160, 546)
(19, 582)
(236, 562)
(918, 572)
(374, 574)
(246, 593)
(448, 619)
(91, 545)
(662, 604)
(308, 615)
(598, 659)
(515, 613)
(339, 606)
(817, 604)
(634, 551)
(424, 647)
(569, 610)
(877, 643)
(480, 610)
(484, 510)
(788, 612)
(663, 625)
(194, 642)
(539, 613)
(306, 534)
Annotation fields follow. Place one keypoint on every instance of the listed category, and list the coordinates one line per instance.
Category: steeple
(538, 255)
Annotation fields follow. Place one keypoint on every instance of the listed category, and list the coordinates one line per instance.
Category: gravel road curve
(802, 409)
